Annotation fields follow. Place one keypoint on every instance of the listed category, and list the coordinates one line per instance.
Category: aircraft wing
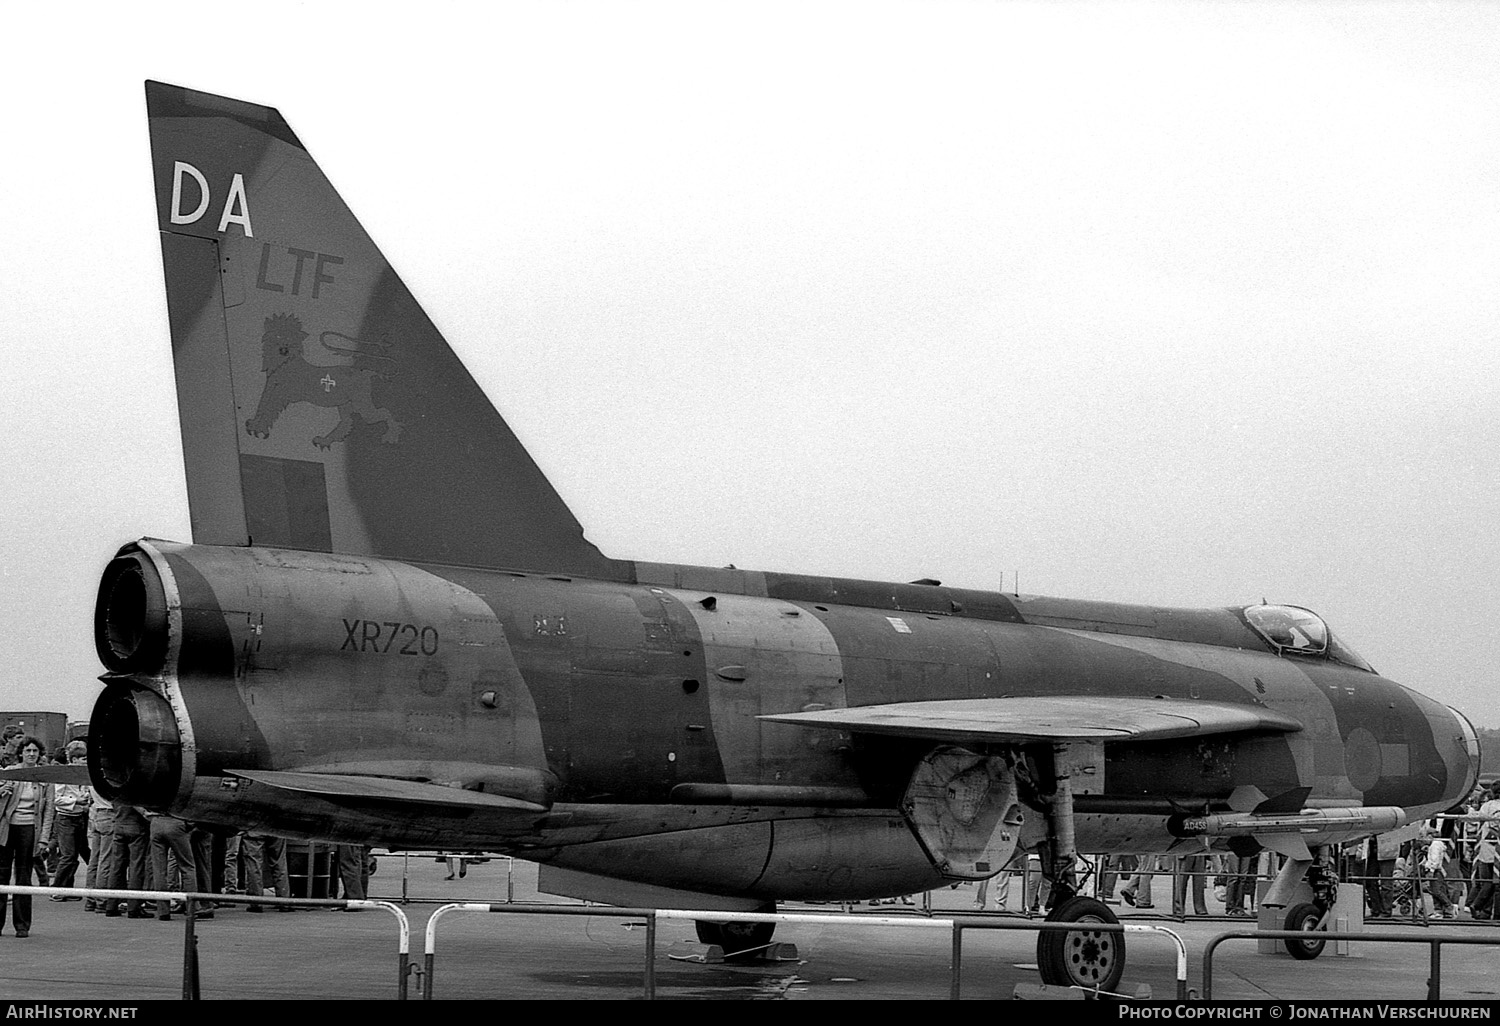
(69, 774)
(333, 787)
(1062, 718)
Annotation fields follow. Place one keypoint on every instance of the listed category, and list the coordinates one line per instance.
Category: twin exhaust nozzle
(130, 615)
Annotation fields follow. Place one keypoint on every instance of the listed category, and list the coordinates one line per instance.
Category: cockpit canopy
(1292, 630)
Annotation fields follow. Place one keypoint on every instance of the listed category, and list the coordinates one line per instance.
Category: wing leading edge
(1068, 718)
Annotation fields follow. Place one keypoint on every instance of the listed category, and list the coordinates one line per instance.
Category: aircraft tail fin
(320, 408)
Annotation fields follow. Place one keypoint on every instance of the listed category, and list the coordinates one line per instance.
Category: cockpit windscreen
(1297, 631)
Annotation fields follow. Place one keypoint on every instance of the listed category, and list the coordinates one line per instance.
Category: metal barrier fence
(442, 856)
(192, 900)
(1436, 941)
(1413, 890)
(955, 924)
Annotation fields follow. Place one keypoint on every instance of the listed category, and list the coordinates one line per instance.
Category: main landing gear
(966, 808)
(1081, 958)
(736, 938)
(1073, 958)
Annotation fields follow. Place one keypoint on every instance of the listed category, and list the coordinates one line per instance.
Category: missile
(1374, 819)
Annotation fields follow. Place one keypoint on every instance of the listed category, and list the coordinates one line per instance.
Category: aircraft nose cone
(1465, 754)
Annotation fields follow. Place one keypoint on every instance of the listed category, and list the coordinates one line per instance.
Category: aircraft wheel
(1304, 917)
(734, 937)
(1081, 958)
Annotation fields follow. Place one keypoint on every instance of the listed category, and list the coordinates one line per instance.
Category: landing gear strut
(1073, 958)
(1309, 916)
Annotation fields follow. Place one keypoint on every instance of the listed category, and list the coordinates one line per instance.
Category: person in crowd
(130, 843)
(1464, 834)
(1108, 876)
(69, 836)
(26, 811)
(1486, 886)
(232, 882)
(1137, 893)
(1117, 868)
(1364, 865)
(1239, 892)
(354, 870)
(265, 857)
(1482, 886)
(1405, 878)
(1001, 880)
(1434, 875)
(202, 881)
(170, 835)
(1191, 872)
(1386, 849)
(101, 844)
(45, 867)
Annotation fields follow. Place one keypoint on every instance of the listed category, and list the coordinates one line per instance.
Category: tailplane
(320, 408)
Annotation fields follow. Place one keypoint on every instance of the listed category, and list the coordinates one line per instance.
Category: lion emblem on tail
(344, 385)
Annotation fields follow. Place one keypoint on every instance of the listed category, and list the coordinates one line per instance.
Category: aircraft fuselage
(630, 710)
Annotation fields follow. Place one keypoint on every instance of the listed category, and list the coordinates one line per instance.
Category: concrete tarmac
(73, 955)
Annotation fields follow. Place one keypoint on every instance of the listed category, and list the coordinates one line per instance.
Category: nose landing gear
(1306, 917)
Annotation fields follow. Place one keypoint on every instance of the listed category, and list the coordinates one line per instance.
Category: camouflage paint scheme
(391, 630)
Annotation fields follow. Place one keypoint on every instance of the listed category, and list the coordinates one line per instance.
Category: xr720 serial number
(389, 636)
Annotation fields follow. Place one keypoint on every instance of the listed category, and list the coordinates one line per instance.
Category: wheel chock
(1053, 992)
(1045, 992)
(714, 954)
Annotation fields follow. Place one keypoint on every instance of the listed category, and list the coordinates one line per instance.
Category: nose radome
(1468, 743)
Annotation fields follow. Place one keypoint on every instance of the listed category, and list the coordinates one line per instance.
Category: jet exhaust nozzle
(135, 748)
(130, 616)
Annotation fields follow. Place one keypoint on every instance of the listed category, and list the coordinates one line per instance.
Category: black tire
(1081, 958)
(1304, 917)
(734, 937)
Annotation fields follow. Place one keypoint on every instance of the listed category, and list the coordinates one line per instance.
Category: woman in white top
(25, 821)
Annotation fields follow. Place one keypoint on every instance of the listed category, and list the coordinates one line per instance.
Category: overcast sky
(1184, 304)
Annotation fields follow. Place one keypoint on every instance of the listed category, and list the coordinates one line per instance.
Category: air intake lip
(130, 616)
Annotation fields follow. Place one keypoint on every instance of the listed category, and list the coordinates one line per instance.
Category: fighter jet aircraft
(389, 629)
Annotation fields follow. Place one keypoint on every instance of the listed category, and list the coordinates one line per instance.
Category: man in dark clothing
(70, 826)
(354, 870)
(170, 834)
(129, 841)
